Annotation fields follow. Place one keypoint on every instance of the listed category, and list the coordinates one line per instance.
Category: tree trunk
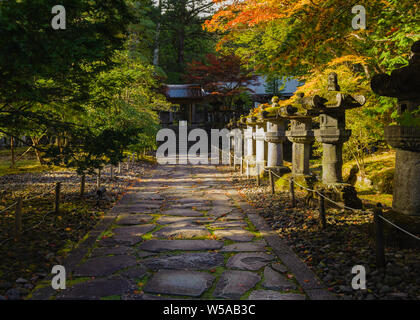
(12, 151)
(157, 47)
(181, 47)
(157, 35)
(37, 153)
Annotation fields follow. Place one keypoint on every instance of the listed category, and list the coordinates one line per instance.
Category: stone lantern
(259, 137)
(241, 143)
(404, 84)
(232, 142)
(249, 142)
(302, 136)
(333, 134)
(274, 137)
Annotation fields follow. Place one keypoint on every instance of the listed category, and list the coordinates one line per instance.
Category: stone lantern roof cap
(403, 83)
(335, 102)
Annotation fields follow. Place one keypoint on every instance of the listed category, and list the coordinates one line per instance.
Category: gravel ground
(332, 253)
(47, 237)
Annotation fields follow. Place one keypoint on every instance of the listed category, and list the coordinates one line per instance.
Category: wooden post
(322, 218)
(271, 176)
(258, 175)
(98, 179)
(292, 192)
(247, 169)
(57, 197)
(242, 165)
(112, 172)
(119, 168)
(82, 185)
(379, 238)
(18, 219)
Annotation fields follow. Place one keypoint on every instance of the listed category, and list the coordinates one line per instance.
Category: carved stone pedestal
(332, 140)
(261, 150)
(407, 168)
(250, 144)
(302, 136)
(275, 136)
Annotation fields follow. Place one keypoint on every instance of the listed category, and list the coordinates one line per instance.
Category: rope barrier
(24, 200)
(38, 196)
(4, 210)
(399, 228)
(29, 229)
(328, 199)
(33, 227)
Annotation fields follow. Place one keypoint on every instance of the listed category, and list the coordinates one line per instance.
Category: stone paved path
(184, 233)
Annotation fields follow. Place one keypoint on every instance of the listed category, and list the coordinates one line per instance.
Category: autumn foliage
(221, 75)
(300, 36)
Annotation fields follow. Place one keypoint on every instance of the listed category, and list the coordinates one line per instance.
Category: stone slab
(275, 281)
(186, 261)
(229, 224)
(196, 205)
(219, 211)
(249, 261)
(134, 219)
(182, 213)
(136, 272)
(189, 220)
(217, 196)
(134, 230)
(95, 289)
(234, 216)
(143, 254)
(134, 209)
(177, 282)
(245, 247)
(233, 284)
(182, 231)
(116, 251)
(274, 295)
(142, 196)
(279, 267)
(240, 235)
(104, 266)
(186, 245)
(129, 235)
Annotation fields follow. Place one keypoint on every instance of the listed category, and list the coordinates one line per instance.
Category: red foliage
(223, 75)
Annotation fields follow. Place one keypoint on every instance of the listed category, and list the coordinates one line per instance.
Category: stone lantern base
(406, 140)
(342, 193)
(406, 188)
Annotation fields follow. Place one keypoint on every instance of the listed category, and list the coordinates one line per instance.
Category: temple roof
(184, 91)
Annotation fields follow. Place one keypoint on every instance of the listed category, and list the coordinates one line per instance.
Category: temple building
(204, 110)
